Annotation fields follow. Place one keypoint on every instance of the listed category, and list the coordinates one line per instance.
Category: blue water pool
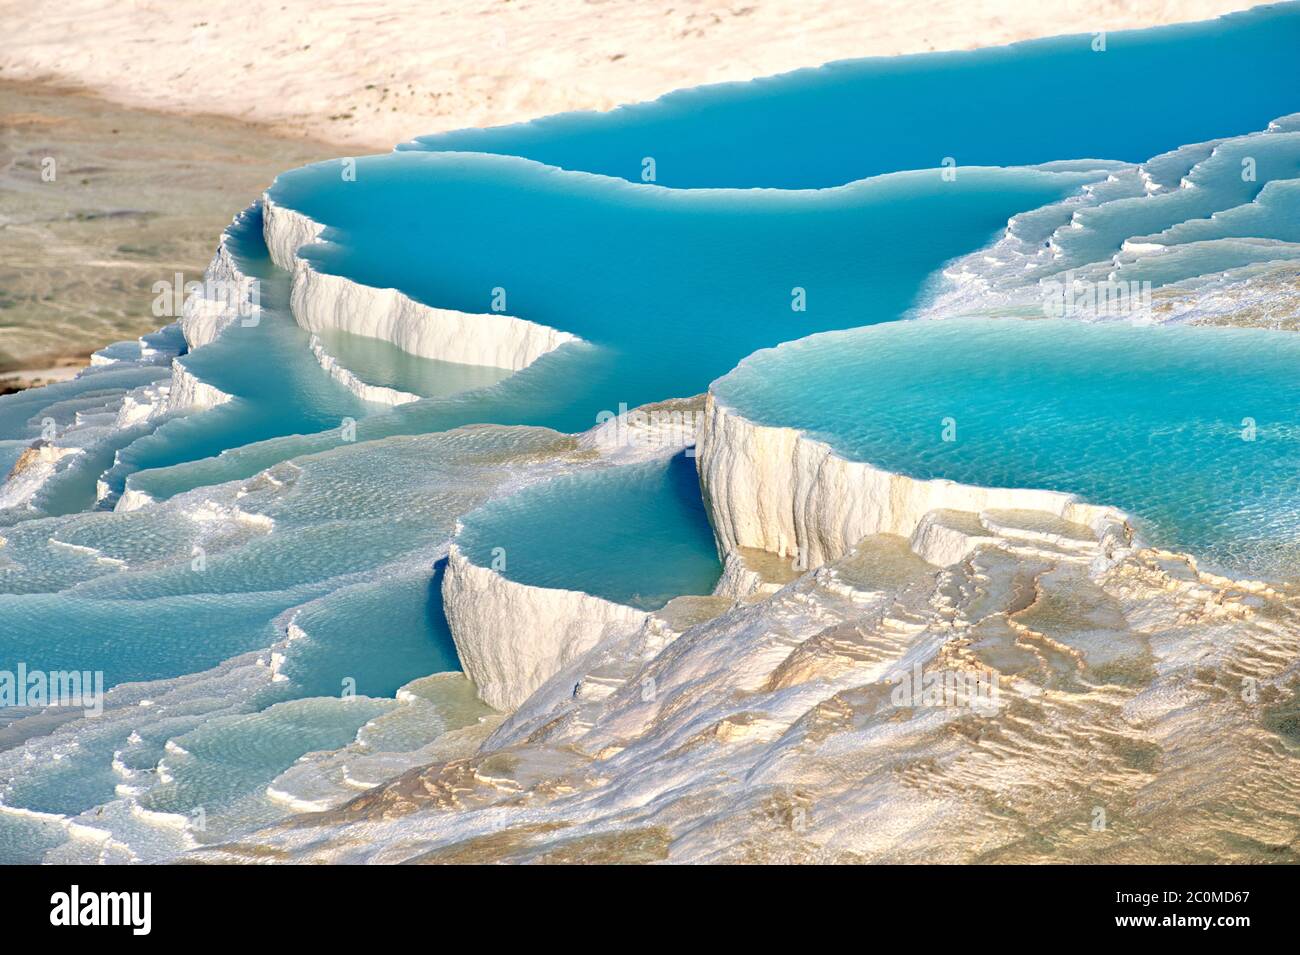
(635, 535)
(1059, 98)
(1195, 431)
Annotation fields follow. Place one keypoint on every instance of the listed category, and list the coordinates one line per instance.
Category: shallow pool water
(1195, 431)
(635, 535)
(673, 288)
(377, 362)
(1060, 98)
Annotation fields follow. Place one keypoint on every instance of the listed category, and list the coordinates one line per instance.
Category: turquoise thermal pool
(635, 535)
(1194, 431)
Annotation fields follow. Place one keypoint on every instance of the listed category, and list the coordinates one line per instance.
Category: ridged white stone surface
(320, 301)
(778, 490)
(512, 637)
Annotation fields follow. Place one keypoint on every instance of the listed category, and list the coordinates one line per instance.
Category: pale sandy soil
(368, 73)
(35, 377)
(132, 197)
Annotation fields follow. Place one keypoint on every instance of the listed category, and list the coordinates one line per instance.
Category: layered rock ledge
(320, 301)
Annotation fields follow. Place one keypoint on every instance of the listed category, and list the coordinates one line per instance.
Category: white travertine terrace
(511, 637)
(769, 731)
(781, 504)
(376, 394)
(204, 318)
(320, 301)
(778, 490)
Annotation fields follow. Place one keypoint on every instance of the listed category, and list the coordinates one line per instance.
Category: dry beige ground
(132, 198)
